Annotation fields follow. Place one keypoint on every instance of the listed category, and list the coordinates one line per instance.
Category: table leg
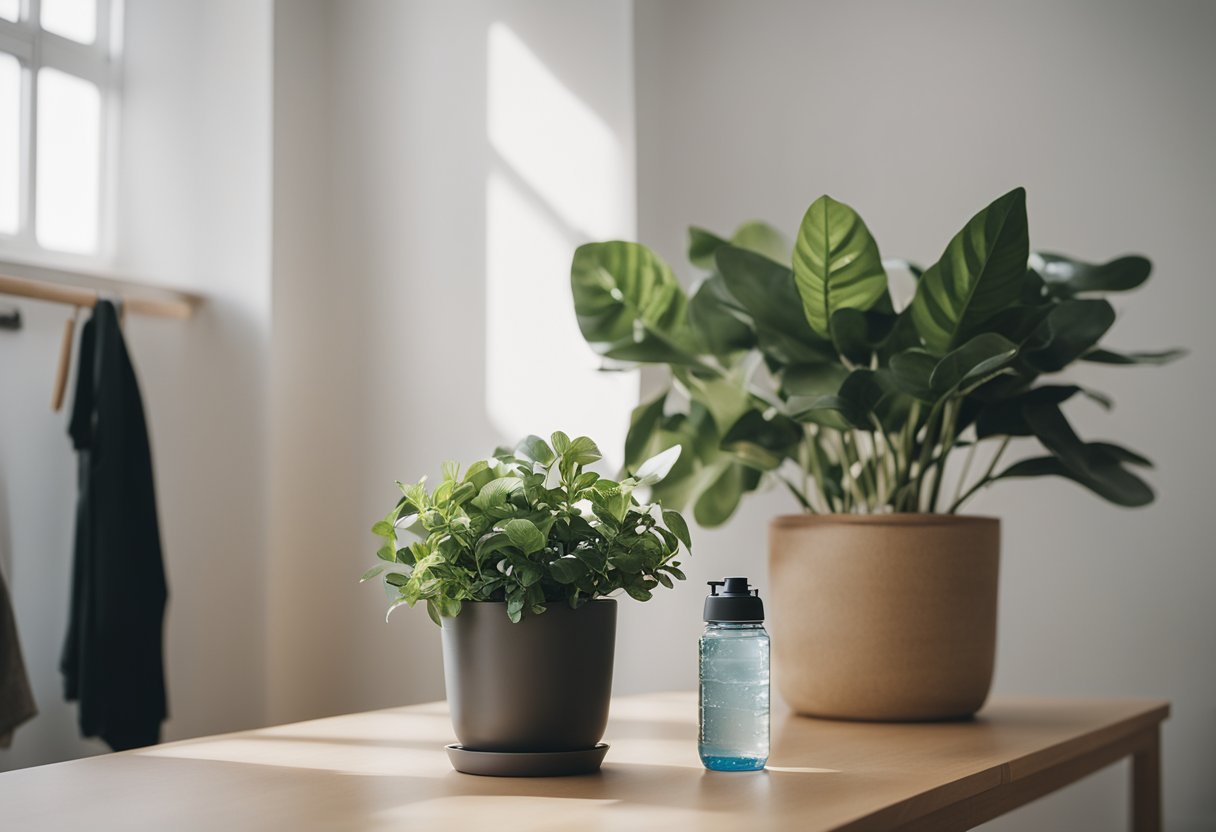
(1146, 784)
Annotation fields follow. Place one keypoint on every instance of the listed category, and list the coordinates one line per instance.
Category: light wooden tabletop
(387, 769)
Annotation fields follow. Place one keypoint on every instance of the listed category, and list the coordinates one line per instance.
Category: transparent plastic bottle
(734, 671)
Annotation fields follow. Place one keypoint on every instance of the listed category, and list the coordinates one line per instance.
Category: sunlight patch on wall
(559, 177)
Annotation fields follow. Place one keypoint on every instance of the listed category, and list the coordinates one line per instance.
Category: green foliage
(797, 367)
(532, 527)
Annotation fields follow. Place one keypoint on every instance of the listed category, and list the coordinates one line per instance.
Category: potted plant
(516, 558)
(800, 368)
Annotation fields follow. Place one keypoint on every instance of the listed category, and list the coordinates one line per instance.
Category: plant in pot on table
(800, 368)
(516, 558)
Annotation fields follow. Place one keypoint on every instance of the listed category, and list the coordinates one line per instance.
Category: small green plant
(531, 527)
(797, 365)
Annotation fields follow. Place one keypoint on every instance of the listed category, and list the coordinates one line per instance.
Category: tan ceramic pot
(883, 617)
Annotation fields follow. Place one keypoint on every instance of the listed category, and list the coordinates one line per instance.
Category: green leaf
(383, 528)
(1004, 417)
(496, 493)
(1066, 277)
(658, 466)
(702, 246)
(763, 441)
(763, 239)
(561, 442)
(679, 528)
(638, 593)
(1071, 329)
(567, 570)
(980, 273)
(971, 363)
(726, 485)
(1103, 356)
(767, 292)
(1109, 481)
(582, 451)
(386, 553)
(629, 305)
(643, 424)
(432, 609)
(813, 379)
(836, 263)
(371, 573)
(525, 535)
(515, 605)
(535, 449)
(1096, 467)
(858, 334)
(718, 319)
(912, 372)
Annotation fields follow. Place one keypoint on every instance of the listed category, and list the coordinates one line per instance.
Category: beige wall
(917, 114)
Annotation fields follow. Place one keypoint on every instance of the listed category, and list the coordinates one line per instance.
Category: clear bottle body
(734, 701)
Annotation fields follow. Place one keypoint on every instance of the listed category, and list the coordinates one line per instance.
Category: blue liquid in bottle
(734, 733)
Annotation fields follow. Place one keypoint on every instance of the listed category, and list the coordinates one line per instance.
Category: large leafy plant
(799, 366)
(531, 527)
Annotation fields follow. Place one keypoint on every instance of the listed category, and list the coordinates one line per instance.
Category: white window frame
(96, 62)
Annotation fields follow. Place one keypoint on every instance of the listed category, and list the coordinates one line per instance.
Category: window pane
(10, 143)
(9, 9)
(75, 19)
(68, 198)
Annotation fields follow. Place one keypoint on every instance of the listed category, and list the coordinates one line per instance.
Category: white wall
(194, 179)
(918, 115)
(388, 292)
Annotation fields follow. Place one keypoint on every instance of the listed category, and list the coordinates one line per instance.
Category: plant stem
(949, 423)
(932, 428)
(984, 480)
(962, 478)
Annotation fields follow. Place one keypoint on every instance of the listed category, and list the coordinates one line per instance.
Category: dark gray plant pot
(543, 684)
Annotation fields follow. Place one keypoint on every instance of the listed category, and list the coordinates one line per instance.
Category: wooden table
(387, 769)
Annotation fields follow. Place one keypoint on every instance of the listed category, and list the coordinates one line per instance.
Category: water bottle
(734, 732)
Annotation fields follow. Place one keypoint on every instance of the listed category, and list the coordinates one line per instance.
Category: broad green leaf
(496, 493)
(981, 272)
(912, 371)
(1104, 356)
(560, 441)
(1109, 481)
(386, 553)
(813, 379)
(383, 528)
(629, 305)
(679, 528)
(1066, 277)
(858, 334)
(525, 535)
(718, 319)
(567, 570)
(702, 246)
(1004, 417)
(763, 442)
(1072, 328)
(971, 363)
(1095, 467)
(767, 292)
(371, 573)
(658, 466)
(582, 451)
(536, 449)
(763, 239)
(836, 263)
(643, 425)
(720, 498)
(831, 411)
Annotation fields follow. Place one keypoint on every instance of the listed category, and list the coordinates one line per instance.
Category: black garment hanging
(112, 660)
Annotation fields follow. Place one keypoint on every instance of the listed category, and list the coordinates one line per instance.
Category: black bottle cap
(736, 603)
